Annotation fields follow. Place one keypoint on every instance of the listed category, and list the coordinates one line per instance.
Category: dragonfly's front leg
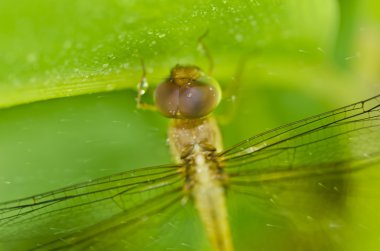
(142, 88)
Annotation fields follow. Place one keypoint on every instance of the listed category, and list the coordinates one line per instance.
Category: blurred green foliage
(301, 58)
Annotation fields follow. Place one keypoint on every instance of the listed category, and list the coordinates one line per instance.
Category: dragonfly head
(188, 93)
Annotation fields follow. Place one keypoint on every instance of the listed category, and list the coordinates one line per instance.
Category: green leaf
(59, 49)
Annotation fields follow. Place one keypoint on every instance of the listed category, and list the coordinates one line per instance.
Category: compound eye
(167, 98)
(187, 94)
(199, 97)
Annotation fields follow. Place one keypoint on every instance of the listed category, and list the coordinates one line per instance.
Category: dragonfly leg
(230, 94)
(203, 48)
(142, 88)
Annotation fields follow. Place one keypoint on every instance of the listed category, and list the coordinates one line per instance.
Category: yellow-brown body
(194, 142)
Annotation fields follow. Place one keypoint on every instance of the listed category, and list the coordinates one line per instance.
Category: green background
(68, 72)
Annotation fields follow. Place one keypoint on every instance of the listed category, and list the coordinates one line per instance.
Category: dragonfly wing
(314, 175)
(79, 216)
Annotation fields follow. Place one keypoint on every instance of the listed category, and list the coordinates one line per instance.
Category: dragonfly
(325, 156)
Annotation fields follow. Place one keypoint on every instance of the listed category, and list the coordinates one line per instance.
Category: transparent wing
(74, 217)
(341, 140)
(319, 175)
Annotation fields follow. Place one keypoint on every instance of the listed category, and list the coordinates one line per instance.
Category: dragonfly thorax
(184, 134)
